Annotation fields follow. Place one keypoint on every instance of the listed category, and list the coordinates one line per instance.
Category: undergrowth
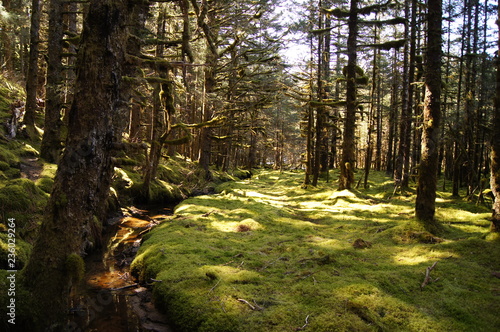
(266, 255)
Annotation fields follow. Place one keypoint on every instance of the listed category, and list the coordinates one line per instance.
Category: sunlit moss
(293, 259)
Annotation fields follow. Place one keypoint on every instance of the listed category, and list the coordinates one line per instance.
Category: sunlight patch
(245, 225)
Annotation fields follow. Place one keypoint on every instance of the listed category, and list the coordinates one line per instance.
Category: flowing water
(110, 300)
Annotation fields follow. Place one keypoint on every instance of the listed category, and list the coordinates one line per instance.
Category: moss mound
(266, 255)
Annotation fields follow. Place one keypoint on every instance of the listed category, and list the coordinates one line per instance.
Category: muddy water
(110, 300)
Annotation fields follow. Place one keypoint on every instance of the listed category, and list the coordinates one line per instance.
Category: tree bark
(51, 141)
(347, 163)
(428, 169)
(495, 148)
(84, 174)
(401, 171)
(32, 76)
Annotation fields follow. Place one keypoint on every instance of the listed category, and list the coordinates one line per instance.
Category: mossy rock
(22, 248)
(9, 157)
(23, 149)
(22, 195)
(45, 183)
(4, 166)
(13, 173)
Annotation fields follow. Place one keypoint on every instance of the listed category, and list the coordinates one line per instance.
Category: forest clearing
(265, 255)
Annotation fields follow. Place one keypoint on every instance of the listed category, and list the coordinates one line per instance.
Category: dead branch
(249, 304)
(428, 279)
(125, 287)
(253, 307)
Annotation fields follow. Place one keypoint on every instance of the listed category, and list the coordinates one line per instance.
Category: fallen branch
(428, 278)
(125, 287)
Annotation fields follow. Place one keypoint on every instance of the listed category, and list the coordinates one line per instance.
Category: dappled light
(256, 253)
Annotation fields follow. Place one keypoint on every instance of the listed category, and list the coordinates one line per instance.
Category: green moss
(4, 166)
(21, 195)
(8, 157)
(22, 251)
(263, 254)
(75, 267)
(45, 183)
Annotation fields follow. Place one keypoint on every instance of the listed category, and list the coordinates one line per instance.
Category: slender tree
(32, 76)
(428, 168)
(348, 160)
(495, 147)
(84, 174)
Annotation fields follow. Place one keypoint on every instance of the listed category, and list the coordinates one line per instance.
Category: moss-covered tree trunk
(32, 75)
(346, 179)
(425, 204)
(495, 149)
(84, 174)
(51, 141)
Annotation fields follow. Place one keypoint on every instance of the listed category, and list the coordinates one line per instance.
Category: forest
(252, 165)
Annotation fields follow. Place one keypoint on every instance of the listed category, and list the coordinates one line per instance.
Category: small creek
(109, 299)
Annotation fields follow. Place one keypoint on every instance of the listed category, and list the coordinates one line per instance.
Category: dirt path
(31, 168)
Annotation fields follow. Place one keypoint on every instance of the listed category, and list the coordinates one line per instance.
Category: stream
(109, 299)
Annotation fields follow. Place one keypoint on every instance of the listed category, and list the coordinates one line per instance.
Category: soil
(31, 168)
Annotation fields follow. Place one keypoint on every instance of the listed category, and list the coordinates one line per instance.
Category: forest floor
(265, 254)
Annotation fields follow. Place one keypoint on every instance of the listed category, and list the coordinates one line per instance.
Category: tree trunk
(495, 148)
(32, 76)
(51, 141)
(427, 180)
(84, 174)
(347, 163)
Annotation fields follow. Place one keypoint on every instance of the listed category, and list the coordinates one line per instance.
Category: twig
(428, 278)
(211, 289)
(303, 326)
(250, 305)
(125, 287)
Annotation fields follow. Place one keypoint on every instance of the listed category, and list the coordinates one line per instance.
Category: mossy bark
(32, 74)
(425, 205)
(84, 174)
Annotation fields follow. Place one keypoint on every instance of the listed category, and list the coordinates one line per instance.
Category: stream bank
(109, 299)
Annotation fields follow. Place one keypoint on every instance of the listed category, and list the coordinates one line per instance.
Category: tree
(51, 141)
(32, 76)
(495, 148)
(347, 163)
(84, 174)
(428, 168)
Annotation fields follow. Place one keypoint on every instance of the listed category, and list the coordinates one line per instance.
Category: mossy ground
(266, 255)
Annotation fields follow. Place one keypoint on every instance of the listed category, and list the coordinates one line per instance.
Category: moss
(45, 183)
(21, 195)
(263, 254)
(23, 149)
(8, 157)
(22, 250)
(4, 166)
(75, 267)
